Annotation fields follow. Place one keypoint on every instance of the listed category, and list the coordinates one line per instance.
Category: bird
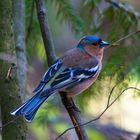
(72, 73)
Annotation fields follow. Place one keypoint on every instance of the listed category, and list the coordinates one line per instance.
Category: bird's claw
(73, 106)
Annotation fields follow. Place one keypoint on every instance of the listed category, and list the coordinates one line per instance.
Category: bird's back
(74, 58)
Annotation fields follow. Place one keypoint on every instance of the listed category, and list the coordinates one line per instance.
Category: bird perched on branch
(72, 73)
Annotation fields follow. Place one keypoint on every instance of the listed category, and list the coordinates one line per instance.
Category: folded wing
(72, 76)
(48, 75)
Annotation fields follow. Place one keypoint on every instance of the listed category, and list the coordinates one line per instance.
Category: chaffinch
(72, 73)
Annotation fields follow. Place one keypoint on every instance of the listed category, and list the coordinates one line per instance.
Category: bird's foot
(73, 105)
(76, 108)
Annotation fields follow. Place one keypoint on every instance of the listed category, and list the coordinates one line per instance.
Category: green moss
(8, 90)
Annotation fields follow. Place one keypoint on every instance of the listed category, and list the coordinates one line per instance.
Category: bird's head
(93, 41)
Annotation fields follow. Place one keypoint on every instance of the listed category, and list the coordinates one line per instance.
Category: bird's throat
(94, 52)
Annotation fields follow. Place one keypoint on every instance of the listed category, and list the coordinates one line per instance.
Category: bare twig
(107, 107)
(109, 97)
(123, 38)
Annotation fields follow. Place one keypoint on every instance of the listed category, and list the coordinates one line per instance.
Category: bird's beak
(104, 44)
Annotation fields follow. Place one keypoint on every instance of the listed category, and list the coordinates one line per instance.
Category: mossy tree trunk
(9, 94)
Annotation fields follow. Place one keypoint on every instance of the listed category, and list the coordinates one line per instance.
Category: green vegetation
(69, 20)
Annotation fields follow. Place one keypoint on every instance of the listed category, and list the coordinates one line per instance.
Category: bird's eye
(95, 43)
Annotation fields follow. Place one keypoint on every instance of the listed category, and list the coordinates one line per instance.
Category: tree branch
(48, 44)
(115, 43)
(74, 115)
(46, 34)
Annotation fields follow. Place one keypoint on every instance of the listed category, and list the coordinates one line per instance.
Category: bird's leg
(69, 101)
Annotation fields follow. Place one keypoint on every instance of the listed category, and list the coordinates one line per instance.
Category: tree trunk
(19, 36)
(9, 94)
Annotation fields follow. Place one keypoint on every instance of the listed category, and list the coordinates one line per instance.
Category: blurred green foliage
(121, 64)
(95, 135)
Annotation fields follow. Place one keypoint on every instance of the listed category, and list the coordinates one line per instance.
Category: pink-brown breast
(73, 58)
(75, 90)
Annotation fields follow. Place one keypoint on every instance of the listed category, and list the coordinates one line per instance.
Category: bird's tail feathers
(40, 87)
(30, 107)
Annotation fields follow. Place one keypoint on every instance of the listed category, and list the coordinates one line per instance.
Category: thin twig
(107, 107)
(122, 93)
(123, 38)
(111, 92)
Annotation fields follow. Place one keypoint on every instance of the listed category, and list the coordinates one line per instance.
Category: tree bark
(9, 95)
(46, 34)
(74, 115)
(19, 36)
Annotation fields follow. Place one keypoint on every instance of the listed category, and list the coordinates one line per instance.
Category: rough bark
(46, 34)
(9, 96)
(19, 36)
(75, 116)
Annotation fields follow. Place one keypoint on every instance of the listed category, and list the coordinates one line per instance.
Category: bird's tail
(30, 107)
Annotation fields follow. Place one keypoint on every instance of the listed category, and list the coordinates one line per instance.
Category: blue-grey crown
(87, 40)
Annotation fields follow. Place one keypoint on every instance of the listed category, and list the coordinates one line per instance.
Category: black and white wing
(73, 76)
(48, 75)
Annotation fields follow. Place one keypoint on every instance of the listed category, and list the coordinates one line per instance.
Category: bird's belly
(75, 90)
